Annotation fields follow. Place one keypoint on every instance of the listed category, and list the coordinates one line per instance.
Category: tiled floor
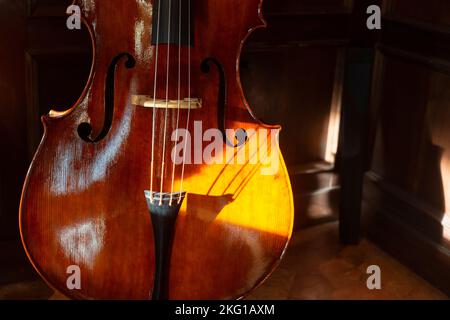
(315, 267)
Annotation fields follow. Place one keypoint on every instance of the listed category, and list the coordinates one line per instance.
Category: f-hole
(85, 129)
(241, 134)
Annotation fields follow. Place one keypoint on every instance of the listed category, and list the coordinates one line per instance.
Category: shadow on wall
(410, 151)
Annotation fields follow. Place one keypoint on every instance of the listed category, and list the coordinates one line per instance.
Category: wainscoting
(407, 187)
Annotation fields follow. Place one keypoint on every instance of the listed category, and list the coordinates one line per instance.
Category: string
(154, 102)
(189, 98)
(179, 97)
(163, 162)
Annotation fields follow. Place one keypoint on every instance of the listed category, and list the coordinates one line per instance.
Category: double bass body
(83, 200)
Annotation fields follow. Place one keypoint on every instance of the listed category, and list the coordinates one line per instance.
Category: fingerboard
(173, 13)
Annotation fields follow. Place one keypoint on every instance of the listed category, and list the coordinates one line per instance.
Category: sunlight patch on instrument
(82, 242)
(228, 211)
(229, 215)
(228, 188)
(69, 176)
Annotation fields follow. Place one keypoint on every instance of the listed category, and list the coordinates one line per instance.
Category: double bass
(159, 182)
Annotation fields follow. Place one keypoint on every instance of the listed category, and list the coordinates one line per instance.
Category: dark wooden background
(406, 205)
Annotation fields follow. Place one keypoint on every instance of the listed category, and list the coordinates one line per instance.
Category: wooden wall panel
(436, 12)
(405, 131)
(12, 115)
(407, 189)
(308, 6)
(296, 90)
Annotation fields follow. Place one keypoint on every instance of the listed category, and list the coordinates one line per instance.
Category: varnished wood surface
(83, 203)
